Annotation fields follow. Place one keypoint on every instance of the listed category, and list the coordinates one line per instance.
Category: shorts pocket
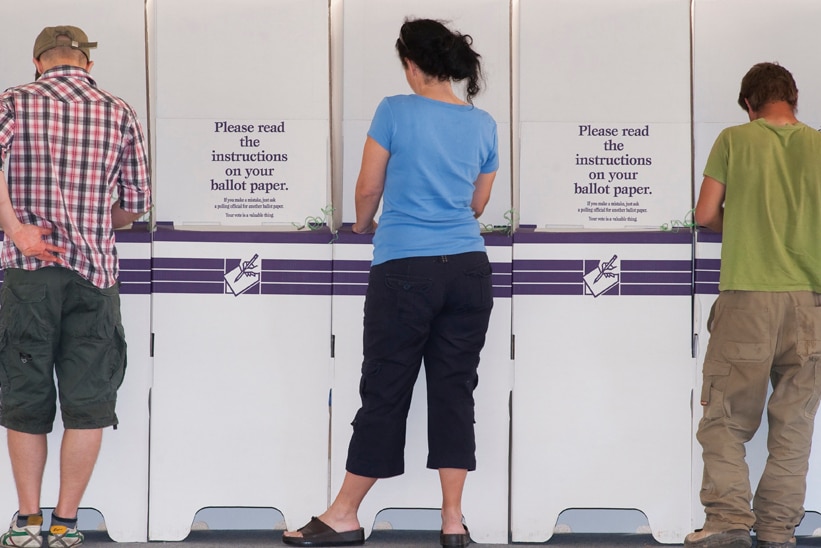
(25, 316)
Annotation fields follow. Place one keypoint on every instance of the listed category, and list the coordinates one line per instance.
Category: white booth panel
(240, 400)
(717, 78)
(604, 109)
(273, 185)
(248, 59)
(242, 101)
(743, 36)
(604, 61)
(372, 70)
(119, 485)
(565, 184)
(604, 374)
(119, 59)
(485, 501)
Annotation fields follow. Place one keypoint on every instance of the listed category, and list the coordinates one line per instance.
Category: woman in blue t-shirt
(431, 158)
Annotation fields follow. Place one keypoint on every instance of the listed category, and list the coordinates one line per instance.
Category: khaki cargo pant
(757, 338)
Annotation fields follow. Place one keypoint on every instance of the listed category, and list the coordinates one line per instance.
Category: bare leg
(453, 483)
(341, 515)
(78, 455)
(28, 460)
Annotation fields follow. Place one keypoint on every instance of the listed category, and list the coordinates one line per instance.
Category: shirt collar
(67, 71)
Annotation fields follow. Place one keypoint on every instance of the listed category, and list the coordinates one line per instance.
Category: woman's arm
(369, 185)
(481, 193)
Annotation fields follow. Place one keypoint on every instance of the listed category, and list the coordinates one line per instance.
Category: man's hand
(29, 240)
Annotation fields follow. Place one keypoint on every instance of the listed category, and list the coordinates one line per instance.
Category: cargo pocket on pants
(712, 391)
(808, 348)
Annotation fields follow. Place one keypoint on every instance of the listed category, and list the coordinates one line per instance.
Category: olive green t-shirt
(772, 207)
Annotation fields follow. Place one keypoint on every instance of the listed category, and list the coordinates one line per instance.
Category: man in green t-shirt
(762, 190)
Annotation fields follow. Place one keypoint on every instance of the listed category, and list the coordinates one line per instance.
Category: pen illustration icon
(605, 267)
(246, 267)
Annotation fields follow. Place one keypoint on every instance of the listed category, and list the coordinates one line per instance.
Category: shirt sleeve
(382, 125)
(716, 167)
(492, 162)
(6, 127)
(135, 181)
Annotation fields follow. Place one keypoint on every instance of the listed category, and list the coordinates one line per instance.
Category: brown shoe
(734, 538)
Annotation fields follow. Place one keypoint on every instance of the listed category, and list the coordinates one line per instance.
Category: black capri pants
(431, 308)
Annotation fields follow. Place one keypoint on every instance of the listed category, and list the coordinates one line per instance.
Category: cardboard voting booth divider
(119, 67)
(486, 490)
(372, 70)
(716, 82)
(242, 123)
(603, 366)
(240, 416)
(604, 113)
(119, 485)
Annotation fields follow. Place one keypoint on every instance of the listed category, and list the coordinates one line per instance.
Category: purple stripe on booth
(530, 236)
(706, 289)
(180, 263)
(547, 277)
(502, 292)
(548, 289)
(135, 276)
(135, 289)
(164, 233)
(188, 288)
(357, 266)
(682, 278)
(652, 289)
(350, 290)
(657, 265)
(708, 264)
(190, 275)
(292, 276)
(295, 289)
(707, 276)
(342, 278)
(547, 264)
(706, 236)
(297, 264)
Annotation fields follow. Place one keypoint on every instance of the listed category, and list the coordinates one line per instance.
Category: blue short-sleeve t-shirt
(437, 150)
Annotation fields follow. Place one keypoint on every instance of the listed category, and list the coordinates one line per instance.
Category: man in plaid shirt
(77, 169)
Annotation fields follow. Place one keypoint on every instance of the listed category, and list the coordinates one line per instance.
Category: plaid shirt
(71, 147)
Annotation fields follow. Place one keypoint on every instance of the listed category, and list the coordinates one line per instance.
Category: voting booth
(123, 459)
(372, 70)
(717, 79)
(366, 37)
(242, 271)
(604, 113)
(241, 103)
(601, 296)
(119, 67)
(486, 490)
(239, 407)
(604, 366)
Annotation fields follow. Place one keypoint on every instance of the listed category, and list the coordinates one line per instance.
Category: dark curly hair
(440, 52)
